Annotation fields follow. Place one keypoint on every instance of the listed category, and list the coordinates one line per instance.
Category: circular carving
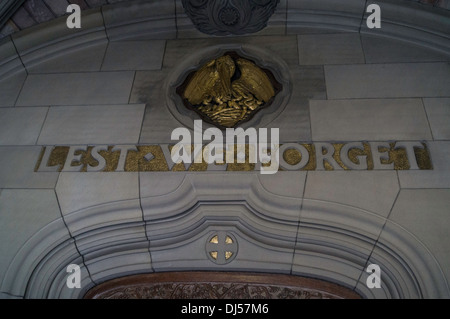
(218, 17)
(186, 112)
(221, 248)
(229, 90)
(229, 16)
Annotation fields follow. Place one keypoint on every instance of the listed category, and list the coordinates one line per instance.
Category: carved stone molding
(225, 17)
(210, 285)
(180, 217)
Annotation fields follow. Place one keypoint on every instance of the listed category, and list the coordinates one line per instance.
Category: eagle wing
(254, 80)
(202, 84)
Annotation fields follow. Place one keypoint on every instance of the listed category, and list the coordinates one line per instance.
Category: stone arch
(330, 241)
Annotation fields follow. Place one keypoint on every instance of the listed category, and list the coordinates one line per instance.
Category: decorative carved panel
(224, 17)
(228, 90)
(211, 285)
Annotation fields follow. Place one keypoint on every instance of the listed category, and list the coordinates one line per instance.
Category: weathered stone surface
(21, 126)
(369, 119)
(76, 89)
(387, 80)
(17, 165)
(134, 55)
(438, 112)
(101, 124)
(317, 49)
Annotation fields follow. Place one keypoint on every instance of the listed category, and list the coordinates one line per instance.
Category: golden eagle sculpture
(228, 90)
(253, 81)
(212, 80)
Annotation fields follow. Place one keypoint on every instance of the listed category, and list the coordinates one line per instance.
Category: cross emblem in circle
(221, 247)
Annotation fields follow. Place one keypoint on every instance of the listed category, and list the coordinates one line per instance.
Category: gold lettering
(295, 156)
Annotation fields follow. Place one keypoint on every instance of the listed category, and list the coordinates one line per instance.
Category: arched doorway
(218, 285)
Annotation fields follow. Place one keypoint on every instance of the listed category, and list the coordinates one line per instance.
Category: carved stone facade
(111, 85)
(212, 291)
(225, 17)
(222, 286)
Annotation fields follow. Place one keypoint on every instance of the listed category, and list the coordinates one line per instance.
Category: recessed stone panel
(369, 119)
(317, 49)
(398, 80)
(21, 126)
(438, 112)
(101, 124)
(17, 164)
(76, 89)
(439, 177)
(372, 191)
(134, 55)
